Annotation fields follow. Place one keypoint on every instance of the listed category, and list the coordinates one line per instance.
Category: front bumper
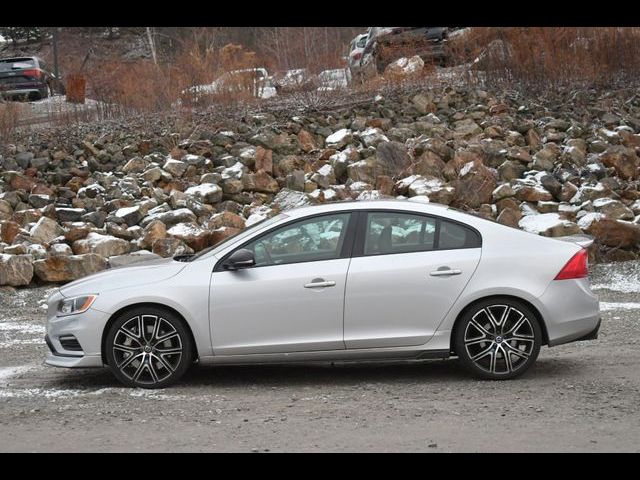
(86, 328)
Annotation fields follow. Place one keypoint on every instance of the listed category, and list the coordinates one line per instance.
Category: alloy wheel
(147, 349)
(499, 339)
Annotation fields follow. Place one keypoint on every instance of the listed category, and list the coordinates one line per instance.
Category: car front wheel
(498, 339)
(148, 348)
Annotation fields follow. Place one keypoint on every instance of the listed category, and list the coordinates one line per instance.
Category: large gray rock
(104, 245)
(16, 270)
(175, 167)
(206, 193)
(45, 230)
(131, 258)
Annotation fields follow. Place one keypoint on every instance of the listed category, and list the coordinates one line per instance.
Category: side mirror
(242, 258)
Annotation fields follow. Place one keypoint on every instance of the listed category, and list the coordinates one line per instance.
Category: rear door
(406, 273)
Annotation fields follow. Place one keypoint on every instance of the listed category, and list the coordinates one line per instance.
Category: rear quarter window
(454, 235)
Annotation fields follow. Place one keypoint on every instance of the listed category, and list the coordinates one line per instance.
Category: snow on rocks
(104, 245)
(207, 193)
(406, 66)
(339, 139)
(175, 167)
(128, 189)
(548, 224)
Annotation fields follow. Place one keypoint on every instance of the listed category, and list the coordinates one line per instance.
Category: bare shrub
(10, 113)
(544, 57)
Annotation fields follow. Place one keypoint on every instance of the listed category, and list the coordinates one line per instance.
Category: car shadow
(319, 374)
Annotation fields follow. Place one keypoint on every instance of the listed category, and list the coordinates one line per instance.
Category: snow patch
(608, 306)
(540, 223)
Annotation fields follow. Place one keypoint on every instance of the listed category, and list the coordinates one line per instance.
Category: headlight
(70, 306)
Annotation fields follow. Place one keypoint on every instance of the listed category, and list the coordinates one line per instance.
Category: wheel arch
(161, 306)
(526, 303)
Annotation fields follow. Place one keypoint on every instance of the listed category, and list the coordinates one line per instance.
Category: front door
(292, 300)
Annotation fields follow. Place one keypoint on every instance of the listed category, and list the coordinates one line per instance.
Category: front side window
(391, 232)
(309, 240)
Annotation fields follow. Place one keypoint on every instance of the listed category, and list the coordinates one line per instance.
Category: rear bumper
(21, 92)
(571, 311)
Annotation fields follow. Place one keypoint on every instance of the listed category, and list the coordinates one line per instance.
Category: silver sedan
(349, 281)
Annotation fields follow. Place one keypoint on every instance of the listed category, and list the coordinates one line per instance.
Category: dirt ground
(578, 397)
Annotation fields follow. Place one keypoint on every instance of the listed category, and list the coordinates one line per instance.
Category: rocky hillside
(92, 197)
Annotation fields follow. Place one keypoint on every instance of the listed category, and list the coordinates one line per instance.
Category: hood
(140, 273)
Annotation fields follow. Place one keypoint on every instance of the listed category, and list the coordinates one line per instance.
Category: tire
(498, 339)
(158, 358)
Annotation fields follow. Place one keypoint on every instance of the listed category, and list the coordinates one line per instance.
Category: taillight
(357, 55)
(32, 73)
(577, 267)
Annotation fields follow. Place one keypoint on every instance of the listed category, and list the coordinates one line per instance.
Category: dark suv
(27, 78)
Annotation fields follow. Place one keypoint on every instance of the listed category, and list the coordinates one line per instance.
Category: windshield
(16, 64)
(242, 233)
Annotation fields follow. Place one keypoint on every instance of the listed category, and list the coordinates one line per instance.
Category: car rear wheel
(148, 348)
(498, 339)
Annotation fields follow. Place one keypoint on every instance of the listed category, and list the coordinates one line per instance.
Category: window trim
(358, 248)
(347, 244)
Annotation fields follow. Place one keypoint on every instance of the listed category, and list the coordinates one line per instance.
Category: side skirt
(355, 355)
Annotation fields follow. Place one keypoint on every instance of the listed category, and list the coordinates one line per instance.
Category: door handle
(320, 283)
(445, 273)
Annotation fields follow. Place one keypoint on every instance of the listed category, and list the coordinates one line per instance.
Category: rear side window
(395, 232)
(454, 235)
(391, 232)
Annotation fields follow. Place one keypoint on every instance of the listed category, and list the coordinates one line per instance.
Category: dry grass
(10, 114)
(548, 57)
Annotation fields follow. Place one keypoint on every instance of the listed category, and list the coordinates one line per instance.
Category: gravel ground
(577, 397)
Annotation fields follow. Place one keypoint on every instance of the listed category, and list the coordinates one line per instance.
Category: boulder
(67, 268)
(260, 181)
(16, 270)
(209, 193)
(226, 219)
(169, 247)
(324, 177)
(475, 185)
(613, 209)
(191, 234)
(45, 230)
(339, 139)
(130, 215)
(131, 258)
(175, 167)
(394, 156)
(173, 217)
(509, 216)
(156, 230)
(8, 231)
(624, 160)
(609, 232)
(103, 245)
